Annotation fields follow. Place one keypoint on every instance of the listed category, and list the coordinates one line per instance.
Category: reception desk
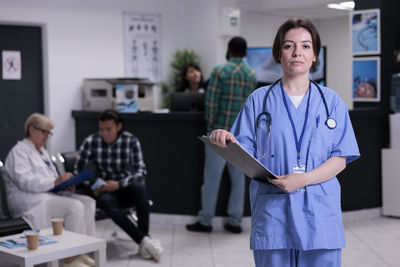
(173, 154)
(174, 158)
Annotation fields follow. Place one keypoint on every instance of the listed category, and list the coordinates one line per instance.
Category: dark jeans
(133, 195)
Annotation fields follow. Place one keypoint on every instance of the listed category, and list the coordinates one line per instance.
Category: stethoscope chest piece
(331, 123)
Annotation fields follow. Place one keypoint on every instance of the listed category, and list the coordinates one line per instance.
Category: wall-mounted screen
(260, 59)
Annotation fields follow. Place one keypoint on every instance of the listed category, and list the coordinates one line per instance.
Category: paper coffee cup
(32, 239)
(57, 224)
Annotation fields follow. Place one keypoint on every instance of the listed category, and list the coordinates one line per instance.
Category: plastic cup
(57, 224)
(33, 240)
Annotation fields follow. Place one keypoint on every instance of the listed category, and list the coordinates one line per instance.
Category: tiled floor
(370, 243)
(181, 248)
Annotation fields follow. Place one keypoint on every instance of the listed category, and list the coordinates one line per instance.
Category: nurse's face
(297, 53)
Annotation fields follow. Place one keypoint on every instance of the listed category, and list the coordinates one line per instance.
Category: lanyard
(298, 142)
(49, 164)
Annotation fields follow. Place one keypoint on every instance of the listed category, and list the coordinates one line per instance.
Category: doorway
(20, 98)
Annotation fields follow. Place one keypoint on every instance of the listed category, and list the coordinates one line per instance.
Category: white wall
(335, 34)
(259, 30)
(84, 39)
(202, 31)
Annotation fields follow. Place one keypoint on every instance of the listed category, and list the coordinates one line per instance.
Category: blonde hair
(37, 120)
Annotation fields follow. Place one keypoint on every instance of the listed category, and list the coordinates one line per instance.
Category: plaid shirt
(228, 88)
(120, 161)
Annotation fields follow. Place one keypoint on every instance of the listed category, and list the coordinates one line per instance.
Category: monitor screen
(260, 59)
(187, 101)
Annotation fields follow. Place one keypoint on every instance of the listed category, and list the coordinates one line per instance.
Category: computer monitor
(261, 60)
(187, 101)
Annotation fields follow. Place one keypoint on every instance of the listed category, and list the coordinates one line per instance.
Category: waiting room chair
(8, 225)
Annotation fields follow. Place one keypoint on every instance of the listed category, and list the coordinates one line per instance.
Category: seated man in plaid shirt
(117, 158)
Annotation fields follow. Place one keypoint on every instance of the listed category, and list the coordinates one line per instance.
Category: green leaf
(181, 58)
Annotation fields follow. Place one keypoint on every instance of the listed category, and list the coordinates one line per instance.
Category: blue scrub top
(301, 220)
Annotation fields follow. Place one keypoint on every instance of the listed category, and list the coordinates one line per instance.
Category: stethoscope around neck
(266, 116)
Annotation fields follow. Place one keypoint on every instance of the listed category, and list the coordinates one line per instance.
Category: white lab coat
(27, 180)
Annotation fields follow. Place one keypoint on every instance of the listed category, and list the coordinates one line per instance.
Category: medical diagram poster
(142, 40)
(365, 32)
(366, 79)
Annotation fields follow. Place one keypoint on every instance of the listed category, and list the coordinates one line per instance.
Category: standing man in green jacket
(228, 87)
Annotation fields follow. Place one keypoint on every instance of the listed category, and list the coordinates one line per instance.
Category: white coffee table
(69, 244)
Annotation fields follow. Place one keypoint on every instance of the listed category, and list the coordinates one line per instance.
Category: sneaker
(78, 262)
(236, 229)
(199, 227)
(158, 247)
(88, 260)
(143, 252)
(151, 247)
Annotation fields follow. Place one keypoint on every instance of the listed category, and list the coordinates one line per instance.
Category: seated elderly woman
(30, 174)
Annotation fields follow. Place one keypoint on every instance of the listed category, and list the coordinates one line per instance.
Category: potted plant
(180, 59)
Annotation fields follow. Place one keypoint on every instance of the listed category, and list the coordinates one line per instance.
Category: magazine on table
(21, 241)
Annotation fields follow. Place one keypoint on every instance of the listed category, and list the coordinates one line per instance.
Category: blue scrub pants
(297, 258)
(213, 168)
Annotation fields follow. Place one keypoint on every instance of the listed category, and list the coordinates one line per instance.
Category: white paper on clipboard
(235, 154)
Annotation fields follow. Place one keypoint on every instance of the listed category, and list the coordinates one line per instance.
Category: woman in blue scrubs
(301, 132)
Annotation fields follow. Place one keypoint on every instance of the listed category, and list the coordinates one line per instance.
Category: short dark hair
(110, 114)
(237, 46)
(295, 23)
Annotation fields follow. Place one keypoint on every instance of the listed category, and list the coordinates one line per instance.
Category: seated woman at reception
(30, 174)
(192, 79)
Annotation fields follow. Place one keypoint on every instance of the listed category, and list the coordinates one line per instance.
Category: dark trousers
(113, 205)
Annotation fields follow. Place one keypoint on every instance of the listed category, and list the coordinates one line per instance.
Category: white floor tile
(371, 242)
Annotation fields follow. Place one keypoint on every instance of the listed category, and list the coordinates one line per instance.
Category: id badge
(300, 169)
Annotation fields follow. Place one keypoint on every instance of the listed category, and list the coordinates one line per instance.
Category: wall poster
(366, 79)
(365, 32)
(142, 46)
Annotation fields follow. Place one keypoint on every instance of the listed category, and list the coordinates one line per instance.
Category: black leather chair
(68, 160)
(8, 225)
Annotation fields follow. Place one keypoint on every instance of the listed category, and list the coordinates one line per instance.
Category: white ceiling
(313, 9)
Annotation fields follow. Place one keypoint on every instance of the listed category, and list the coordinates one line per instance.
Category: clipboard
(74, 180)
(235, 154)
